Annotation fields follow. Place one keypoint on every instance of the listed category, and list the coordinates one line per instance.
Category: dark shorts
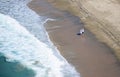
(80, 33)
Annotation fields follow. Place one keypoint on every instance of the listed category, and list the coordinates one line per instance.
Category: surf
(17, 44)
(25, 40)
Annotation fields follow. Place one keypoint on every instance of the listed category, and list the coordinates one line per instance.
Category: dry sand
(101, 17)
(106, 15)
(90, 57)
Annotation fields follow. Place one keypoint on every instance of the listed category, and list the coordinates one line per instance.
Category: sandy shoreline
(102, 18)
(90, 57)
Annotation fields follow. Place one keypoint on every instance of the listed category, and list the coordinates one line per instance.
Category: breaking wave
(24, 39)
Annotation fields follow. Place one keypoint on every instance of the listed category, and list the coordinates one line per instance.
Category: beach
(90, 57)
(25, 48)
(101, 19)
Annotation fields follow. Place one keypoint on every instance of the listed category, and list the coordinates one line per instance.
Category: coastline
(90, 57)
(102, 20)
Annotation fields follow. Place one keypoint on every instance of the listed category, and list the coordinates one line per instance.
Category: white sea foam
(20, 45)
(18, 10)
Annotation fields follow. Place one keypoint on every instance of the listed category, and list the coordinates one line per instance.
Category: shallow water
(24, 40)
(14, 69)
(90, 57)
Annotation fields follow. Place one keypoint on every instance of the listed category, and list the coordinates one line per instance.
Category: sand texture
(90, 57)
(101, 17)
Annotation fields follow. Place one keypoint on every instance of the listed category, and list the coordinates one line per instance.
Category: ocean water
(25, 48)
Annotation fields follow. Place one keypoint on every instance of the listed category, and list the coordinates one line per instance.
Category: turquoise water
(25, 46)
(18, 44)
(14, 69)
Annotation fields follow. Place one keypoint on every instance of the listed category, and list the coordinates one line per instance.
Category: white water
(20, 44)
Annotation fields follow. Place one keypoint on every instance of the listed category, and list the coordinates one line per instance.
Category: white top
(82, 31)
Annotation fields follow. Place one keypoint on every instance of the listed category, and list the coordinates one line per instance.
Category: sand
(107, 15)
(90, 57)
(101, 17)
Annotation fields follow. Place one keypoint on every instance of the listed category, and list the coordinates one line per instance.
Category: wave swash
(20, 41)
